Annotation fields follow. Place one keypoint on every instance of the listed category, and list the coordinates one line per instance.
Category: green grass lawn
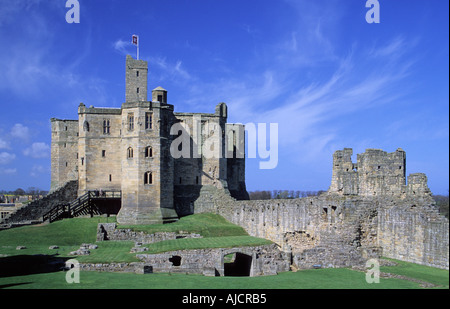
(70, 233)
(340, 278)
(433, 275)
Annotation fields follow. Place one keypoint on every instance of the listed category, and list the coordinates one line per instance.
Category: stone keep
(128, 149)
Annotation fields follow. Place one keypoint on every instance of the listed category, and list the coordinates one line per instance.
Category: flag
(135, 40)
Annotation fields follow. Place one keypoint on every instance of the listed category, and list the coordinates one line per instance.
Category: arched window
(129, 153)
(148, 152)
(86, 126)
(148, 178)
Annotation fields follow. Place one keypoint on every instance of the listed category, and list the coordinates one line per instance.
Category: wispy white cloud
(38, 151)
(122, 46)
(21, 132)
(38, 170)
(6, 157)
(4, 144)
(8, 171)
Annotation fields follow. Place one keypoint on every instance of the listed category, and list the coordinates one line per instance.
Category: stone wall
(333, 230)
(415, 236)
(109, 231)
(263, 260)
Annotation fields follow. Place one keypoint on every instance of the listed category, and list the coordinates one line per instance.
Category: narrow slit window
(148, 152)
(131, 122)
(148, 121)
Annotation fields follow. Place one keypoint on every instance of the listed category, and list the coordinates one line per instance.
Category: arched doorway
(237, 264)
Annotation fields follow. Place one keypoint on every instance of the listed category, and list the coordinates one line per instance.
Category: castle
(371, 208)
(128, 149)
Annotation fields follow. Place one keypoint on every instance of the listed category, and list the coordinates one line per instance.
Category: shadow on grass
(4, 286)
(21, 265)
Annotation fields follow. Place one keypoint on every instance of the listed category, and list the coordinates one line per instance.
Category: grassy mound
(205, 224)
(63, 233)
(69, 234)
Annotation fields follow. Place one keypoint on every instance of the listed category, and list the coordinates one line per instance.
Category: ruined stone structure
(368, 211)
(129, 149)
(376, 173)
(371, 208)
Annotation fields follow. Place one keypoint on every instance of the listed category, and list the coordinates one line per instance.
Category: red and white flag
(135, 40)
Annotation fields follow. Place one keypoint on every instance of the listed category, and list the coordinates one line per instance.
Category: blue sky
(317, 68)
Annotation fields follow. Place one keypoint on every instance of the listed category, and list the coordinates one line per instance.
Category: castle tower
(64, 149)
(159, 94)
(345, 177)
(147, 167)
(381, 173)
(136, 80)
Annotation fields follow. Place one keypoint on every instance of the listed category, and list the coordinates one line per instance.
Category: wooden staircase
(83, 205)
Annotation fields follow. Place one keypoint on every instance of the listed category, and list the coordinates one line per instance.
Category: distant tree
(19, 191)
(282, 194)
(442, 203)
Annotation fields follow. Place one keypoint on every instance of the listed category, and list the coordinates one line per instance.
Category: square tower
(136, 80)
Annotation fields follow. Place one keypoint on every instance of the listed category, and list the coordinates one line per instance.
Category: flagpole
(135, 41)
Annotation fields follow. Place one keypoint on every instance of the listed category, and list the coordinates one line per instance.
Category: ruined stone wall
(381, 173)
(414, 235)
(376, 173)
(339, 231)
(109, 231)
(265, 260)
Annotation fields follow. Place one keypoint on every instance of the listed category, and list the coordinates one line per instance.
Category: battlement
(376, 172)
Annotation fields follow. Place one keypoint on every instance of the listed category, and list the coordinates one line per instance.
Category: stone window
(148, 121)
(106, 126)
(131, 122)
(86, 126)
(110, 177)
(196, 180)
(148, 178)
(129, 153)
(103, 153)
(137, 90)
(148, 152)
(137, 73)
(160, 98)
